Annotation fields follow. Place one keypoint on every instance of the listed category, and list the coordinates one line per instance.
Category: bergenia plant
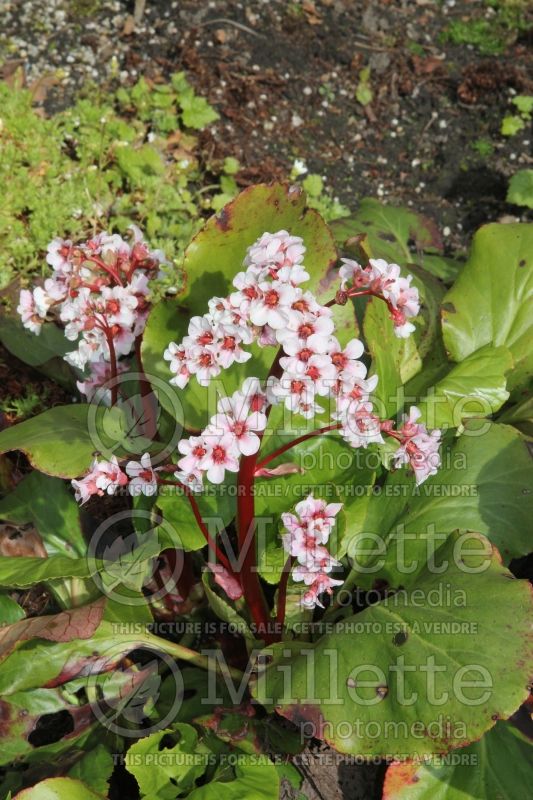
(313, 512)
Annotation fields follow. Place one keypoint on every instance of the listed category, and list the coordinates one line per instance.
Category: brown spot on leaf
(522, 262)
(223, 219)
(303, 713)
(449, 307)
(400, 638)
(397, 778)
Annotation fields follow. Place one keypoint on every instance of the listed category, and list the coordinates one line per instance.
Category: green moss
(491, 35)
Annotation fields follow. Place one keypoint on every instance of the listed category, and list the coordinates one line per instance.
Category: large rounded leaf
(483, 485)
(476, 387)
(492, 300)
(398, 234)
(421, 672)
(211, 262)
(395, 360)
(50, 505)
(216, 254)
(498, 766)
(61, 441)
(59, 789)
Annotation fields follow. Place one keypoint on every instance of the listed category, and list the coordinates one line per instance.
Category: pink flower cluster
(384, 280)
(307, 534)
(418, 447)
(264, 301)
(232, 432)
(99, 291)
(270, 307)
(105, 477)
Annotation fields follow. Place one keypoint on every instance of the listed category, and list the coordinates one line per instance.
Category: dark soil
(284, 76)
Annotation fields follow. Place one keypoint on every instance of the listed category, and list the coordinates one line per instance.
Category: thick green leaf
(50, 505)
(58, 789)
(212, 260)
(484, 485)
(476, 387)
(23, 572)
(10, 611)
(31, 349)
(254, 780)
(491, 301)
(60, 441)
(498, 767)
(399, 235)
(216, 254)
(521, 188)
(176, 772)
(217, 510)
(414, 674)
(520, 415)
(94, 769)
(396, 360)
(389, 230)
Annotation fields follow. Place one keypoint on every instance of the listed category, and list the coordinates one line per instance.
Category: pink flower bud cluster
(384, 280)
(307, 534)
(232, 432)
(418, 447)
(105, 477)
(99, 291)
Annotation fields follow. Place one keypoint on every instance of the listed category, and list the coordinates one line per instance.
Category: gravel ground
(285, 76)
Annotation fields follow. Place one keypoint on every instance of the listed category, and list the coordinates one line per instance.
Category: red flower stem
(113, 360)
(110, 271)
(149, 427)
(334, 427)
(209, 539)
(250, 582)
(201, 524)
(282, 591)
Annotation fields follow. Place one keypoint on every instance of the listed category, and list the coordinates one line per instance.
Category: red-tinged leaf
(79, 623)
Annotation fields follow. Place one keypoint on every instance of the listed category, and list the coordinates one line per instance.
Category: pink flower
(418, 447)
(235, 418)
(272, 307)
(221, 455)
(58, 255)
(100, 373)
(28, 312)
(202, 362)
(194, 449)
(143, 478)
(177, 356)
(192, 480)
(227, 582)
(307, 532)
(318, 515)
(360, 426)
(323, 584)
(346, 361)
(384, 279)
(275, 251)
(105, 476)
